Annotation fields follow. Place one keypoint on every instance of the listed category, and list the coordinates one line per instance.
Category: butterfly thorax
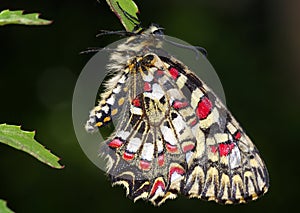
(149, 40)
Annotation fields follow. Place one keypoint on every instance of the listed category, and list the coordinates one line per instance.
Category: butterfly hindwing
(147, 149)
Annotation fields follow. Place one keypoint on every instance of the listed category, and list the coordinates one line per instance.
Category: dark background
(254, 45)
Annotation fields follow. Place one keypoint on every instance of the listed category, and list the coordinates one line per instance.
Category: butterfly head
(155, 30)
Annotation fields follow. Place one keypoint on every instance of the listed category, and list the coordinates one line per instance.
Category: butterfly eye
(158, 32)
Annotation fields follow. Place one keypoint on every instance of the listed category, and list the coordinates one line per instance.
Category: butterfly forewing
(226, 166)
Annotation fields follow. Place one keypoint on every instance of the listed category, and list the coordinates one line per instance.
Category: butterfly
(172, 134)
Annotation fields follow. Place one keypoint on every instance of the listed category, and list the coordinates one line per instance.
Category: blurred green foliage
(24, 140)
(4, 208)
(248, 46)
(17, 17)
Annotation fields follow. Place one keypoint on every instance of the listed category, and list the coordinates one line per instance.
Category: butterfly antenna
(118, 32)
(196, 49)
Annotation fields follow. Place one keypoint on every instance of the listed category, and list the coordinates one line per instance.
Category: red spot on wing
(225, 149)
(115, 143)
(147, 87)
(171, 148)
(136, 102)
(161, 160)
(176, 169)
(193, 123)
(128, 156)
(145, 165)
(180, 104)
(237, 135)
(214, 149)
(188, 147)
(156, 185)
(203, 108)
(174, 73)
(159, 73)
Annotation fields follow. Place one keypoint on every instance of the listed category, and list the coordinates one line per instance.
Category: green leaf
(4, 208)
(17, 17)
(24, 140)
(126, 11)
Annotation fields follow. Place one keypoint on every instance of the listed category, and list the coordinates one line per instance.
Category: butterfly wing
(111, 102)
(173, 135)
(225, 166)
(146, 153)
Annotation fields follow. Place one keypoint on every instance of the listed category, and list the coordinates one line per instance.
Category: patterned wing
(111, 102)
(225, 165)
(147, 152)
(173, 136)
